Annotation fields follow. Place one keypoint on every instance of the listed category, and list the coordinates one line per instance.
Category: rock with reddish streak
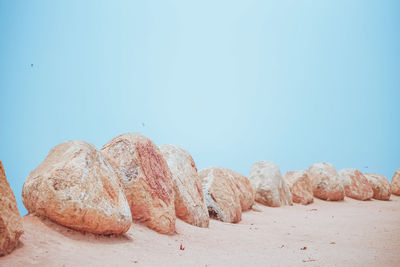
(395, 185)
(244, 189)
(221, 194)
(189, 199)
(325, 181)
(380, 185)
(76, 187)
(146, 180)
(356, 184)
(300, 187)
(10, 220)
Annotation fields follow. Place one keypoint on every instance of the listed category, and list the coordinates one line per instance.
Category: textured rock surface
(380, 185)
(395, 186)
(244, 189)
(270, 188)
(146, 179)
(300, 187)
(189, 200)
(325, 181)
(221, 194)
(76, 187)
(10, 220)
(355, 184)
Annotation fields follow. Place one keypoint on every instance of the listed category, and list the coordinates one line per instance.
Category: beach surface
(344, 233)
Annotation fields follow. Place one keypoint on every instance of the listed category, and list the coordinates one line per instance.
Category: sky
(233, 82)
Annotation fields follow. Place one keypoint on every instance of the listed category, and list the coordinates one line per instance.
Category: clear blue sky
(233, 82)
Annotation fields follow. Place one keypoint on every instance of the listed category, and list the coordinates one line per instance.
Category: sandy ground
(346, 233)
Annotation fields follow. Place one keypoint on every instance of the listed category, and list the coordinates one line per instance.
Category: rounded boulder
(76, 187)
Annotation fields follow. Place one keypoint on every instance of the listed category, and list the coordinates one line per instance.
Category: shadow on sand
(55, 228)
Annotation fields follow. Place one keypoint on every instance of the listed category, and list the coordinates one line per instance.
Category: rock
(10, 220)
(244, 189)
(300, 185)
(270, 188)
(76, 187)
(380, 185)
(221, 195)
(356, 185)
(146, 180)
(325, 181)
(189, 200)
(395, 186)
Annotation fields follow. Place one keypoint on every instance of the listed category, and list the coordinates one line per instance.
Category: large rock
(189, 200)
(325, 181)
(270, 188)
(395, 186)
(146, 180)
(10, 220)
(76, 187)
(244, 189)
(355, 184)
(380, 185)
(300, 187)
(221, 195)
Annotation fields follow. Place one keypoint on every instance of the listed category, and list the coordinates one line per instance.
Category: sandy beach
(345, 233)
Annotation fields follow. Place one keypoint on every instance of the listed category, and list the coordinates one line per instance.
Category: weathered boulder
(189, 200)
(76, 187)
(10, 220)
(244, 189)
(221, 195)
(380, 185)
(270, 188)
(395, 186)
(325, 181)
(355, 184)
(146, 180)
(300, 186)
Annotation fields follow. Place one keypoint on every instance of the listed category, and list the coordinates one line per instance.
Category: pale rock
(10, 220)
(395, 186)
(325, 181)
(270, 188)
(300, 185)
(356, 184)
(76, 187)
(189, 200)
(380, 185)
(146, 179)
(221, 194)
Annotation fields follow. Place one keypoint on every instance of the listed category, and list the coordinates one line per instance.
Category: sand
(345, 233)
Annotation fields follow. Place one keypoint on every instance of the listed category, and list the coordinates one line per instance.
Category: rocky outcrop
(10, 220)
(355, 184)
(380, 185)
(76, 187)
(244, 189)
(270, 188)
(395, 185)
(189, 200)
(325, 181)
(300, 187)
(221, 195)
(146, 179)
